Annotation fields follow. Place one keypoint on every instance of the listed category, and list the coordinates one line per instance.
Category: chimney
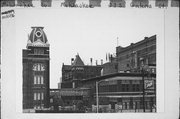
(101, 62)
(72, 61)
(111, 58)
(91, 60)
(145, 37)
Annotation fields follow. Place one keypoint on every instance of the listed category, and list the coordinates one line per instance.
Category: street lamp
(97, 98)
(97, 94)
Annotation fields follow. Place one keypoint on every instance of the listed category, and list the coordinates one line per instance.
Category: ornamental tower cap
(37, 38)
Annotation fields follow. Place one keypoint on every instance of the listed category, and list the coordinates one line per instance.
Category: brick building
(36, 70)
(72, 91)
(123, 92)
(77, 71)
(129, 78)
(126, 83)
(136, 55)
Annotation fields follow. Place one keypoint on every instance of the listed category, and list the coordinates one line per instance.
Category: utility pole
(143, 74)
(143, 90)
(97, 100)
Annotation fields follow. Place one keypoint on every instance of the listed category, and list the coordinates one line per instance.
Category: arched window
(38, 67)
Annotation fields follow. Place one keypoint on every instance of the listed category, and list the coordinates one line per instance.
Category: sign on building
(149, 84)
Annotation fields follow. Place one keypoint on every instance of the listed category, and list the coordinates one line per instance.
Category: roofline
(83, 65)
(116, 74)
(134, 44)
(37, 27)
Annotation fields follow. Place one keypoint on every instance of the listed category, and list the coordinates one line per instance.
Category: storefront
(124, 92)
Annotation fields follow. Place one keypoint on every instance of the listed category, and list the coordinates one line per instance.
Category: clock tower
(36, 70)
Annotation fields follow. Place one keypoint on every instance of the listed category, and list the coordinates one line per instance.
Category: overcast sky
(91, 33)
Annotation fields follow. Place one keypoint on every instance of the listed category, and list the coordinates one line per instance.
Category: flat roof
(98, 78)
(137, 43)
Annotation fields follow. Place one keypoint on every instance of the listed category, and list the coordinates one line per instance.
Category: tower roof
(37, 38)
(78, 61)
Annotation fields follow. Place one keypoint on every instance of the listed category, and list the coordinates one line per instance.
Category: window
(35, 51)
(38, 96)
(125, 105)
(38, 78)
(134, 87)
(38, 67)
(127, 87)
(35, 96)
(42, 67)
(51, 100)
(123, 87)
(137, 87)
(34, 79)
(42, 80)
(42, 96)
(112, 88)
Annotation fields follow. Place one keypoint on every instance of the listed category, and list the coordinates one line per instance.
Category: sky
(68, 35)
(90, 33)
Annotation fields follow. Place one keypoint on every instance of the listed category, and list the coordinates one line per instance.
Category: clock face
(38, 34)
(38, 67)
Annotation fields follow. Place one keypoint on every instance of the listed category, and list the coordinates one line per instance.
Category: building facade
(72, 91)
(36, 70)
(123, 92)
(77, 71)
(127, 83)
(137, 55)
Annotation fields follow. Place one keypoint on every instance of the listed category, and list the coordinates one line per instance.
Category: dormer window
(38, 51)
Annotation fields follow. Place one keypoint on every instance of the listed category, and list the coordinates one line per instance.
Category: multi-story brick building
(36, 70)
(72, 91)
(133, 57)
(120, 90)
(134, 90)
(77, 71)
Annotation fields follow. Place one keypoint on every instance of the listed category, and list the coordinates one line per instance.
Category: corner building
(36, 70)
(136, 55)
